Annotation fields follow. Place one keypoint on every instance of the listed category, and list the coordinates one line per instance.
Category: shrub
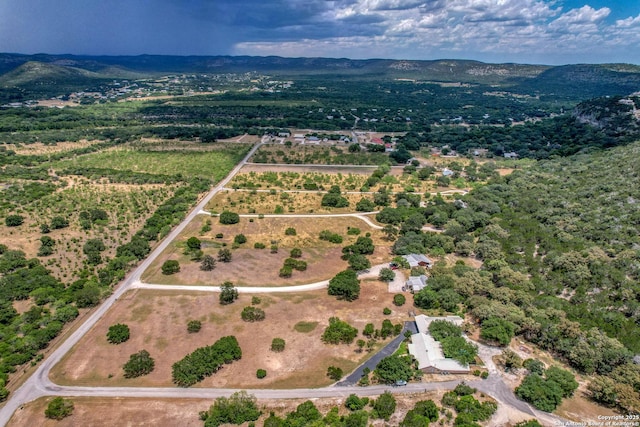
(170, 266)
(194, 326)
(252, 314)
(58, 222)
(290, 231)
(335, 373)
(355, 403)
(228, 293)
(353, 231)
(255, 300)
(277, 345)
(14, 220)
(59, 408)
(259, 245)
(399, 299)
(286, 271)
(261, 373)
(118, 333)
(240, 239)
(330, 237)
(386, 311)
(227, 217)
(296, 253)
(219, 236)
(140, 363)
(208, 263)
(224, 255)
(338, 332)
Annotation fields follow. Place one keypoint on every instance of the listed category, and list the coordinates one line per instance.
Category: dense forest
(559, 246)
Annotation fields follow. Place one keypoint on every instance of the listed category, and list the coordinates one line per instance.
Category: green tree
(227, 217)
(386, 275)
(399, 299)
(345, 285)
(208, 263)
(59, 408)
(338, 332)
(170, 266)
(393, 368)
(118, 333)
(335, 373)
(365, 205)
(13, 220)
(228, 293)
(497, 330)
(355, 403)
(140, 363)
(224, 255)
(58, 222)
(193, 243)
(385, 405)
(542, 394)
(359, 262)
(239, 408)
(565, 379)
(459, 349)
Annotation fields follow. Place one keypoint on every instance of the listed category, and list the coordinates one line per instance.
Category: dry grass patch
(92, 411)
(260, 267)
(158, 321)
(261, 202)
(38, 148)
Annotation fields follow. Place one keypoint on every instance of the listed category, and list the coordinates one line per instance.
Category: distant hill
(570, 82)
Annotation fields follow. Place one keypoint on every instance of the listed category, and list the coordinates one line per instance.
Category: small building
(447, 172)
(377, 141)
(418, 260)
(428, 352)
(511, 155)
(416, 283)
(284, 134)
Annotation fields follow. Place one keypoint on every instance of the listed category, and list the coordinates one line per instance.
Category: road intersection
(39, 384)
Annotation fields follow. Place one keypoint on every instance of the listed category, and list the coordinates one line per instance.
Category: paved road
(387, 350)
(33, 387)
(39, 384)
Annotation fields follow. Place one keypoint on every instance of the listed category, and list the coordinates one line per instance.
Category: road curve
(33, 388)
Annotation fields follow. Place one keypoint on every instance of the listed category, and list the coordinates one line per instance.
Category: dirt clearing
(158, 323)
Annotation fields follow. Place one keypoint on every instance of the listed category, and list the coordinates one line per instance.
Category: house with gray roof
(428, 352)
(416, 283)
(418, 260)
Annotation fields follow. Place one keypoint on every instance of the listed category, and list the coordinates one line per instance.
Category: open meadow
(260, 267)
(158, 323)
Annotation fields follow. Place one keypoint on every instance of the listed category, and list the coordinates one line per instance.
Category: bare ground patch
(158, 321)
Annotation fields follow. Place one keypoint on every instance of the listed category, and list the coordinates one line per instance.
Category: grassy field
(213, 164)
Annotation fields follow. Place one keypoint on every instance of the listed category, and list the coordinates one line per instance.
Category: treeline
(205, 361)
(24, 334)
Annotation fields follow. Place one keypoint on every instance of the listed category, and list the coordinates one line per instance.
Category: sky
(550, 32)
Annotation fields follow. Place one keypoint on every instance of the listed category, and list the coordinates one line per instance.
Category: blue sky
(524, 31)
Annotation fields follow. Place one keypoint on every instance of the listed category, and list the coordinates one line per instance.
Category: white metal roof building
(428, 351)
